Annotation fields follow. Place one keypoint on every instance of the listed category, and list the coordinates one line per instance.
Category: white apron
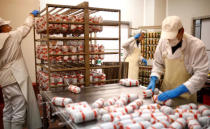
(133, 67)
(21, 75)
(175, 75)
(3, 38)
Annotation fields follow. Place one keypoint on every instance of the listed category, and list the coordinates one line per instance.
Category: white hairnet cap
(3, 22)
(138, 31)
(170, 27)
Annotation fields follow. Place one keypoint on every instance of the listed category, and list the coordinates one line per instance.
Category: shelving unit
(144, 74)
(47, 38)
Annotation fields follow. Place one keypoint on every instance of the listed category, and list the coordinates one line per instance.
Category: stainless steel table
(90, 94)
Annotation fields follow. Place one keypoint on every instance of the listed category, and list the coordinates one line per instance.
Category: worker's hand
(152, 83)
(137, 35)
(35, 13)
(170, 94)
(144, 61)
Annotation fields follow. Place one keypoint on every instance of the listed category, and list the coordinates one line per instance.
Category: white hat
(170, 27)
(3, 22)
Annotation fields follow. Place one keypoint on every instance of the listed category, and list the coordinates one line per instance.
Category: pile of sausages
(119, 113)
(41, 24)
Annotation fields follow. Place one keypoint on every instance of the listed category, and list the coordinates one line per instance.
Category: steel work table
(90, 94)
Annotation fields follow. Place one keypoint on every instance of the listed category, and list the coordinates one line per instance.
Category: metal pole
(120, 63)
(87, 53)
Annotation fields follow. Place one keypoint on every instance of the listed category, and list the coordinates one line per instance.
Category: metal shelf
(69, 54)
(82, 53)
(104, 67)
(41, 40)
(63, 22)
(85, 10)
(59, 69)
(77, 38)
(145, 67)
(95, 82)
(100, 53)
(66, 38)
(111, 80)
(57, 86)
(82, 23)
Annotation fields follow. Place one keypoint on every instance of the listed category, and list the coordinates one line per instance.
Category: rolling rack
(148, 46)
(47, 38)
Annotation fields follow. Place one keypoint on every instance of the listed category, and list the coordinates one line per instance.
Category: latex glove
(170, 94)
(144, 61)
(137, 36)
(35, 13)
(152, 83)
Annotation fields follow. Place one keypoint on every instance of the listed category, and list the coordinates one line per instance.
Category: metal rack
(85, 10)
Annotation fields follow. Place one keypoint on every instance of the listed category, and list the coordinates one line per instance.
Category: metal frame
(86, 10)
(147, 27)
(193, 23)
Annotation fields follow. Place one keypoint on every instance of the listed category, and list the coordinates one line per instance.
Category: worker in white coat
(132, 54)
(19, 98)
(182, 59)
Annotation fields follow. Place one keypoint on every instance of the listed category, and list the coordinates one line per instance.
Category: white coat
(129, 47)
(133, 56)
(15, 63)
(195, 60)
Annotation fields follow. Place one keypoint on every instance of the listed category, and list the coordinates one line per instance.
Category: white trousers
(14, 104)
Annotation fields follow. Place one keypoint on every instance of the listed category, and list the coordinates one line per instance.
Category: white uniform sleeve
(200, 69)
(128, 42)
(158, 63)
(25, 28)
(127, 46)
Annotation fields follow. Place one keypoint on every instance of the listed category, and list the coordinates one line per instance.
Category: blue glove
(35, 13)
(144, 61)
(170, 94)
(152, 83)
(137, 36)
